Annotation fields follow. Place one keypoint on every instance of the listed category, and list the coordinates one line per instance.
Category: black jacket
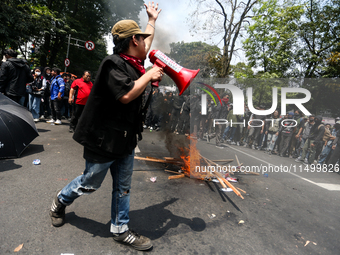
(108, 127)
(14, 75)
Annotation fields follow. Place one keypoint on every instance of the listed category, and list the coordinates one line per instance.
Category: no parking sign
(67, 62)
(89, 45)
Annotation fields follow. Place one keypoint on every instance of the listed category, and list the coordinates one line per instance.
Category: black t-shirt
(107, 128)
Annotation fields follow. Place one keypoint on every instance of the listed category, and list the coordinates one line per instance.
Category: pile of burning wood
(191, 158)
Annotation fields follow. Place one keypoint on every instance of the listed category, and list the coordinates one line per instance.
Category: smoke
(163, 35)
(177, 145)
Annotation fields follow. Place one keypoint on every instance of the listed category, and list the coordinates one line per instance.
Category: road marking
(327, 186)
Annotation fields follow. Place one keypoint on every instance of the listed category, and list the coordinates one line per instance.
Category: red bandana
(135, 62)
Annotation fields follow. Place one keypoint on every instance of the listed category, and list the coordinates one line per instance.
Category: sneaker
(305, 162)
(238, 143)
(253, 147)
(269, 152)
(144, 126)
(71, 130)
(36, 120)
(57, 122)
(298, 159)
(232, 143)
(139, 242)
(57, 212)
(42, 117)
(50, 121)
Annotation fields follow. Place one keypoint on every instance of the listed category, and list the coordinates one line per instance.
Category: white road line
(327, 186)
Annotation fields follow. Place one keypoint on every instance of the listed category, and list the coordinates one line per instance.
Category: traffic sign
(89, 45)
(67, 62)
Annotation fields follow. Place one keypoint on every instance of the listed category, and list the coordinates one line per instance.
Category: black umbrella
(17, 128)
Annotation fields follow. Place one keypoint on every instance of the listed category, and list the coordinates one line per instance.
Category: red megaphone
(180, 75)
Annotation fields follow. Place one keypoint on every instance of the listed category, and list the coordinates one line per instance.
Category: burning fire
(191, 158)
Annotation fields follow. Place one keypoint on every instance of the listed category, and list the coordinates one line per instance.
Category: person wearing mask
(57, 93)
(83, 86)
(36, 92)
(14, 75)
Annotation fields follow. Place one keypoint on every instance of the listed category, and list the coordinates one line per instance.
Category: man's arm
(154, 74)
(152, 12)
(71, 95)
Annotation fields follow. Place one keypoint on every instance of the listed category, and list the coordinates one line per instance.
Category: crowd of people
(47, 93)
(306, 138)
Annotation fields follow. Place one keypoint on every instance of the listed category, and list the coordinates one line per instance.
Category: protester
(57, 93)
(221, 113)
(333, 162)
(83, 86)
(328, 147)
(272, 131)
(232, 119)
(65, 105)
(313, 142)
(45, 109)
(36, 92)
(287, 129)
(110, 122)
(14, 75)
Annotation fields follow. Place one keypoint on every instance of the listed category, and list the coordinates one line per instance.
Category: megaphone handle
(157, 63)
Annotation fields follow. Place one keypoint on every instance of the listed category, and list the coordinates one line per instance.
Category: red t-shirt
(84, 89)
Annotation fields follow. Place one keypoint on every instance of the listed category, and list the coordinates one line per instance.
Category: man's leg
(86, 183)
(57, 107)
(324, 154)
(76, 115)
(121, 171)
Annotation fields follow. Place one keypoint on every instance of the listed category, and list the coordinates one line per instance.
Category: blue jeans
(34, 105)
(271, 139)
(232, 132)
(325, 153)
(92, 178)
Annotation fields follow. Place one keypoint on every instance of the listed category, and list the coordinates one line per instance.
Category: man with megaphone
(111, 120)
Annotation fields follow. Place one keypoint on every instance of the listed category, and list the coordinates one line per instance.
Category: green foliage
(294, 39)
(273, 37)
(196, 55)
(47, 24)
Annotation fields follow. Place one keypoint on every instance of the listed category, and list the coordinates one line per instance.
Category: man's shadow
(153, 221)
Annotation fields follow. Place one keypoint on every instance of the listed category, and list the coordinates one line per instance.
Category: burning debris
(187, 157)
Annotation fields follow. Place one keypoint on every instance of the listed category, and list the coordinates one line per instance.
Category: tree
(273, 37)
(320, 33)
(47, 24)
(196, 55)
(293, 39)
(224, 19)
